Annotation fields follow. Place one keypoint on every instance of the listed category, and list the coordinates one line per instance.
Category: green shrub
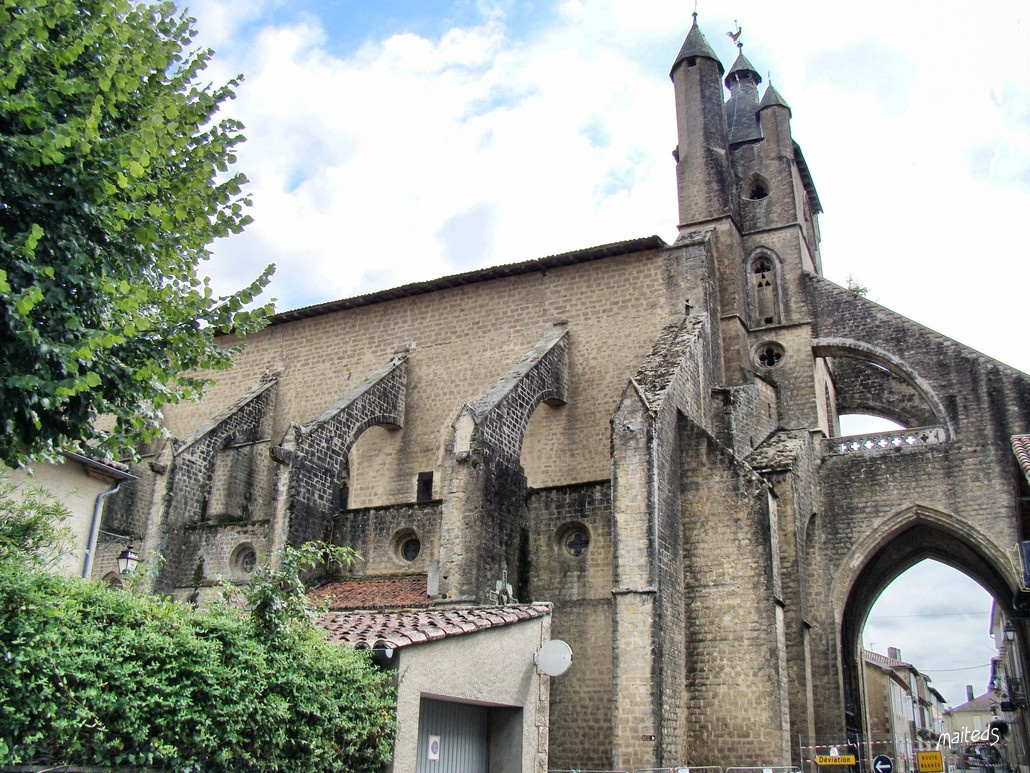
(93, 675)
(31, 524)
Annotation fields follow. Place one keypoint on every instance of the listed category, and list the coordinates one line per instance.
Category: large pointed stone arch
(981, 556)
(902, 539)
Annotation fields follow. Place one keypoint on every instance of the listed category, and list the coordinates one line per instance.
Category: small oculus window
(574, 539)
(244, 559)
(407, 545)
(410, 548)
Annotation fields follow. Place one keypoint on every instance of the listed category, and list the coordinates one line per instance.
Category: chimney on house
(894, 653)
(969, 692)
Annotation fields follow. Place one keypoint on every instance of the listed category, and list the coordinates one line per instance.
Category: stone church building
(644, 435)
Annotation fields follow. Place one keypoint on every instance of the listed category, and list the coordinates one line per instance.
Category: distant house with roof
(975, 714)
(904, 711)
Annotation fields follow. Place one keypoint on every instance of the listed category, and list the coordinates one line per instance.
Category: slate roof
(772, 98)
(1021, 448)
(742, 65)
(403, 628)
(696, 45)
(470, 277)
(373, 593)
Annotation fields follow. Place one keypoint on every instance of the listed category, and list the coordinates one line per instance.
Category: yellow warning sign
(930, 762)
(840, 759)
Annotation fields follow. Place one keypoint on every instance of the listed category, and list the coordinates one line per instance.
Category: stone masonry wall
(377, 533)
(733, 680)
(787, 462)
(967, 479)
(483, 525)
(195, 547)
(676, 379)
(747, 415)
(317, 452)
(460, 341)
(580, 589)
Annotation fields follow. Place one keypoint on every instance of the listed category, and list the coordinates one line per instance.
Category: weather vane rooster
(735, 36)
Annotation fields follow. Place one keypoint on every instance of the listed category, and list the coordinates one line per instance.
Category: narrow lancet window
(764, 285)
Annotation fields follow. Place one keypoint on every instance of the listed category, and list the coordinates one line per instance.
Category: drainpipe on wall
(94, 528)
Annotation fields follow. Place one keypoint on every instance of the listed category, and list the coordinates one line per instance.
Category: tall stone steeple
(703, 174)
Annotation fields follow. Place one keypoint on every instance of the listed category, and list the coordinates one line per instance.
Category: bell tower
(704, 179)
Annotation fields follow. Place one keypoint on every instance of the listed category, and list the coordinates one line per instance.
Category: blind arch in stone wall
(316, 452)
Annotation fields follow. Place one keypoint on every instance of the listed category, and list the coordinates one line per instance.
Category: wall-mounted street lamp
(128, 560)
(1010, 631)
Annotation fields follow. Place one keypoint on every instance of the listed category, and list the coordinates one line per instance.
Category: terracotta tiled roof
(1021, 448)
(883, 660)
(402, 628)
(374, 593)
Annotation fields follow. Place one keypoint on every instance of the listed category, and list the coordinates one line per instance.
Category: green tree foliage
(277, 596)
(856, 287)
(114, 181)
(91, 675)
(31, 527)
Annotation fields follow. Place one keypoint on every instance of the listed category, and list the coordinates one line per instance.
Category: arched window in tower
(766, 290)
(756, 188)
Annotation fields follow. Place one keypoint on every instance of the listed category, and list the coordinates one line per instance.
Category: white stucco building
(469, 693)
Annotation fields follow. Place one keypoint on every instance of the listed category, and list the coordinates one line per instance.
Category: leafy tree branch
(114, 180)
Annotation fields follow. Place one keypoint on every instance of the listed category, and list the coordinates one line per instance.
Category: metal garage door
(453, 738)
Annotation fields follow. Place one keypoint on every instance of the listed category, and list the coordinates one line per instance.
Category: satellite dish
(554, 658)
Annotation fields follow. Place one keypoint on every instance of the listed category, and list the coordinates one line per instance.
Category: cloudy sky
(400, 140)
(939, 619)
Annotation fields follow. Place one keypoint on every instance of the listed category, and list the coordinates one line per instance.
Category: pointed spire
(742, 107)
(772, 98)
(696, 45)
(742, 68)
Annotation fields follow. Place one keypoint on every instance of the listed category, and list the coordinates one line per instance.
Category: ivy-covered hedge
(92, 675)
